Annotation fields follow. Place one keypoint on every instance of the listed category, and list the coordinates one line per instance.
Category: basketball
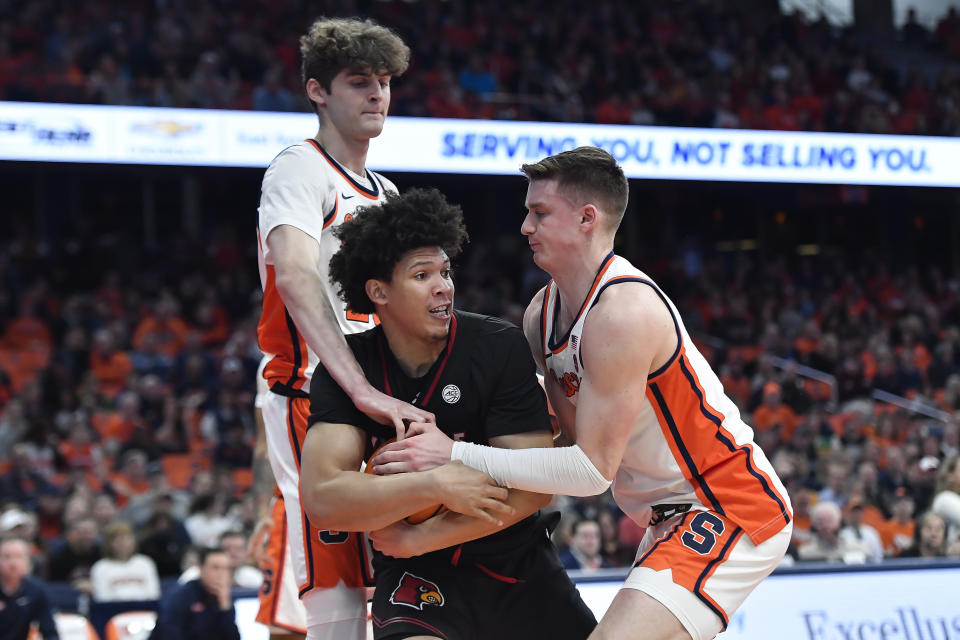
(419, 516)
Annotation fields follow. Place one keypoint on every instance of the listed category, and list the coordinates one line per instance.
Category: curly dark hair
(378, 236)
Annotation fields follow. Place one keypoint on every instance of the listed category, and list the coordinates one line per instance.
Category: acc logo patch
(414, 591)
(450, 394)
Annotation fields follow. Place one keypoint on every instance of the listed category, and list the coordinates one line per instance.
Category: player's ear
(316, 92)
(589, 216)
(376, 291)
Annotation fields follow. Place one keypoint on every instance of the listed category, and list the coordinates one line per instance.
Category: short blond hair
(334, 44)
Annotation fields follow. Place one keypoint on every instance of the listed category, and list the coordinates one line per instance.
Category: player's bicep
(621, 338)
(329, 449)
(293, 248)
(532, 330)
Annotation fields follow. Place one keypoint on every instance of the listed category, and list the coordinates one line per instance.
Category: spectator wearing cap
(772, 413)
(23, 601)
(123, 574)
(856, 532)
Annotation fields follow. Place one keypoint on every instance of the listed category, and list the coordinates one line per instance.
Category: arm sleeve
(45, 622)
(519, 404)
(564, 471)
(297, 191)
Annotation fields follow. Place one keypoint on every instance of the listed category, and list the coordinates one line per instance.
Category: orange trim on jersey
(333, 214)
(543, 319)
(723, 475)
(784, 514)
(339, 169)
(596, 282)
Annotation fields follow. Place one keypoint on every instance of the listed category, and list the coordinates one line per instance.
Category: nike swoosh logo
(345, 196)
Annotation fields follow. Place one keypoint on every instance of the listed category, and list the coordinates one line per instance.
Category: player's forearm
(355, 501)
(304, 296)
(450, 528)
(565, 471)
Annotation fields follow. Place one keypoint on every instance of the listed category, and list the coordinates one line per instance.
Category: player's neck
(575, 279)
(350, 153)
(415, 357)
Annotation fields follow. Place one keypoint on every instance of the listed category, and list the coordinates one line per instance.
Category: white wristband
(565, 471)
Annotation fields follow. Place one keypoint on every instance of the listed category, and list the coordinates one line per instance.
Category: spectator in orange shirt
(110, 366)
(898, 532)
(802, 498)
(132, 479)
(79, 450)
(773, 412)
(117, 427)
(166, 325)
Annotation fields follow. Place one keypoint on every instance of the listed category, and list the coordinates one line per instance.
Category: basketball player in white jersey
(346, 69)
(645, 411)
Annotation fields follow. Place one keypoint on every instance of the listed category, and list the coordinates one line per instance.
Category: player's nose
(526, 227)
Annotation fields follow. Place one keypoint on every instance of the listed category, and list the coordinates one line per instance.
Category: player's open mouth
(443, 311)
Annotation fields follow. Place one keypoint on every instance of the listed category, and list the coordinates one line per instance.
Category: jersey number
(702, 536)
(333, 537)
(267, 585)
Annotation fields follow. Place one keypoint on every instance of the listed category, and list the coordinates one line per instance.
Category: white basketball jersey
(305, 187)
(688, 443)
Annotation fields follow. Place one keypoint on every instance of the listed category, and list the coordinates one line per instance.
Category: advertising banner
(197, 137)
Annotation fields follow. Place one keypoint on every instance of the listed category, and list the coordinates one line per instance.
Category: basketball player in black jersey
(476, 571)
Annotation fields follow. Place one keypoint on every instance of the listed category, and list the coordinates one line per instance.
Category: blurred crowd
(684, 63)
(126, 401)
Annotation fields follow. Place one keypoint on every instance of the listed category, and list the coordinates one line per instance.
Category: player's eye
(446, 274)
(420, 275)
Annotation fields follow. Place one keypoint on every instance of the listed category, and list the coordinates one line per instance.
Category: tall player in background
(347, 65)
(645, 411)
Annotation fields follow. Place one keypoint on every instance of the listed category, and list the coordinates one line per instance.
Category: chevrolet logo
(168, 128)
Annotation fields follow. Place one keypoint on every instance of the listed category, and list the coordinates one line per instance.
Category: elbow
(316, 507)
(289, 281)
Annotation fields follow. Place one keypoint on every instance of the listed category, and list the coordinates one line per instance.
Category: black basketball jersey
(482, 385)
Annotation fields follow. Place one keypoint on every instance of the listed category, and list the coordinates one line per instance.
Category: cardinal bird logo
(414, 591)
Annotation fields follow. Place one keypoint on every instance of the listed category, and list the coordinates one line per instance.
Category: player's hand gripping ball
(419, 516)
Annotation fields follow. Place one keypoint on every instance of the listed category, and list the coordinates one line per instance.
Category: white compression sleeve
(565, 471)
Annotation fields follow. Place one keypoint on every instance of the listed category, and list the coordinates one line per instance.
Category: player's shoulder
(298, 152)
(630, 307)
(365, 343)
(487, 329)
